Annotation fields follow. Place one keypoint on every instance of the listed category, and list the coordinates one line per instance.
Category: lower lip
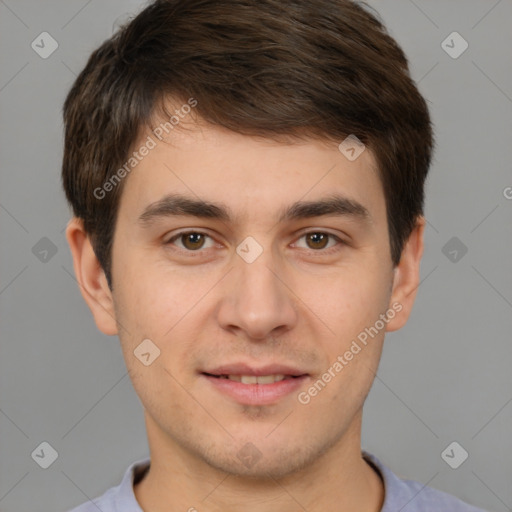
(256, 394)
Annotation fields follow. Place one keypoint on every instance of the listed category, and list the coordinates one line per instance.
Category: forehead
(253, 177)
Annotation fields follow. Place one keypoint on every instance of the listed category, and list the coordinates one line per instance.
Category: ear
(407, 277)
(91, 278)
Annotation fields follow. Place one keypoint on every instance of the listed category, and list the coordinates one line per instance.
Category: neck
(179, 480)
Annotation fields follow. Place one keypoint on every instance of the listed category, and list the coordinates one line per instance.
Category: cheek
(168, 307)
(155, 309)
(151, 296)
(347, 301)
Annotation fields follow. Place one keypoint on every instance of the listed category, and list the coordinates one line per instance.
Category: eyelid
(326, 231)
(308, 231)
(298, 236)
(177, 236)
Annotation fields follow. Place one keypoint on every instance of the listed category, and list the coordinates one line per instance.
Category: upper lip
(245, 369)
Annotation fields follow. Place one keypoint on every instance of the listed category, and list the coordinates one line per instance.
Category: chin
(261, 460)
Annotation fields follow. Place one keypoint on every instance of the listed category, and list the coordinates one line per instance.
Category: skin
(296, 304)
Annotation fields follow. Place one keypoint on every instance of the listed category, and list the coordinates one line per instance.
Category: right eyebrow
(176, 204)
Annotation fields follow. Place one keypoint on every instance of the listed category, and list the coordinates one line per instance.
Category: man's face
(295, 294)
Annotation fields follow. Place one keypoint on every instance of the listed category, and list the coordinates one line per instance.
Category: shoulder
(105, 502)
(121, 497)
(412, 496)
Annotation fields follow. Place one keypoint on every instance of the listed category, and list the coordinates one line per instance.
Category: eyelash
(319, 251)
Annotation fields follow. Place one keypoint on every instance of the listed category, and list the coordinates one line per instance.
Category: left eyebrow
(335, 205)
(180, 205)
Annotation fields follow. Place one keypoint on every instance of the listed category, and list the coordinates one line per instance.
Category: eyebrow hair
(179, 205)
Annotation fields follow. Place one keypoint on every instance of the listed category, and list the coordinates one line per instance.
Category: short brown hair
(307, 68)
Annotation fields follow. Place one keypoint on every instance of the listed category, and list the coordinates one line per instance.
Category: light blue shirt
(400, 495)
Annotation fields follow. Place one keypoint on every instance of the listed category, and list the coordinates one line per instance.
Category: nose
(256, 299)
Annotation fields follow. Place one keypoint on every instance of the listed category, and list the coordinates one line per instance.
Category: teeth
(252, 379)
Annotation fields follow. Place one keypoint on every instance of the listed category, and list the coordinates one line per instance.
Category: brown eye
(317, 240)
(321, 242)
(192, 241)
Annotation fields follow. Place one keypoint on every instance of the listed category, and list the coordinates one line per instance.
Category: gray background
(444, 377)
